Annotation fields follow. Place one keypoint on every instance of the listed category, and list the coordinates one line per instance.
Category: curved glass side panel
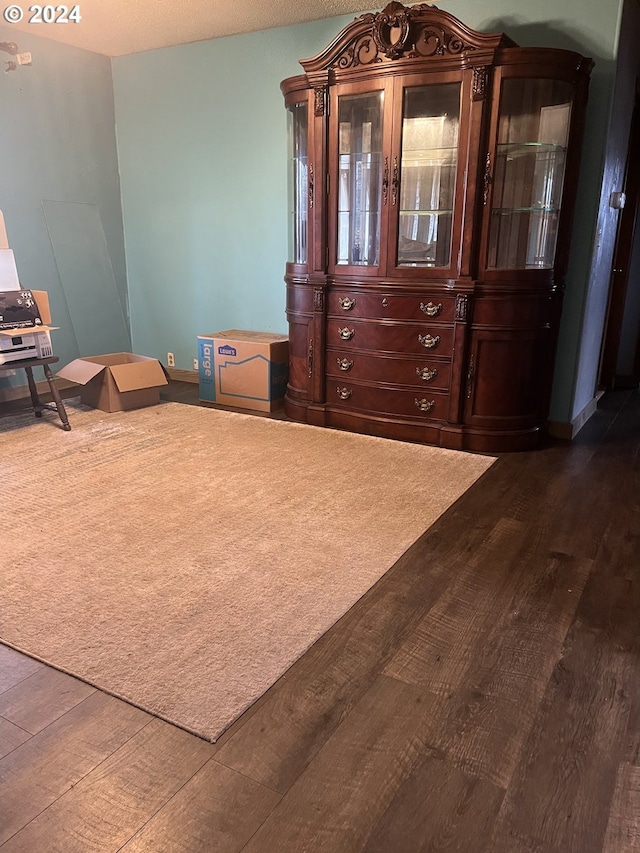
(298, 181)
(360, 178)
(533, 130)
(430, 126)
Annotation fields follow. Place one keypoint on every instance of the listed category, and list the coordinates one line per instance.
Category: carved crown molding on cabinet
(402, 32)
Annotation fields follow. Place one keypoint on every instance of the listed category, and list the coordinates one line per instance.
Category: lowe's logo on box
(227, 350)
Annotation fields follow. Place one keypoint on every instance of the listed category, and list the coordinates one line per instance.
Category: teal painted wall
(57, 144)
(201, 133)
(201, 173)
(202, 146)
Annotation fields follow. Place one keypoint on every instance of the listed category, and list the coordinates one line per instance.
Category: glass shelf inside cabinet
(425, 157)
(528, 181)
(529, 173)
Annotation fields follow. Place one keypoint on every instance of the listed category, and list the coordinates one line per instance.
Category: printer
(21, 332)
(28, 344)
(24, 314)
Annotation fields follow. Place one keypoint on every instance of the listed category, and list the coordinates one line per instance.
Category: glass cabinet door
(360, 178)
(533, 131)
(298, 181)
(428, 165)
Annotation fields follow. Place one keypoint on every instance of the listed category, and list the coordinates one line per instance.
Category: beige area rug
(182, 558)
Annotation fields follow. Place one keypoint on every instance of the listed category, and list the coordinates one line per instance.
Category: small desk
(36, 405)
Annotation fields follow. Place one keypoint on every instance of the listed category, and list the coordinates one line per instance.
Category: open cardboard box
(117, 381)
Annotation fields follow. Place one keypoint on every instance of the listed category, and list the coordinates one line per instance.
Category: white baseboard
(568, 431)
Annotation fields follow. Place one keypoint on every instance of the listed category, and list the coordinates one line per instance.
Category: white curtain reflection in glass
(428, 168)
(360, 179)
(298, 184)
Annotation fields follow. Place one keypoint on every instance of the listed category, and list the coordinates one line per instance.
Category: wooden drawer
(526, 312)
(400, 338)
(423, 405)
(299, 299)
(420, 373)
(382, 306)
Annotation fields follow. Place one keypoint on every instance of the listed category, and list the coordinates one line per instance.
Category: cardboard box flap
(251, 337)
(80, 371)
(138, 374)
(16, 333)
(42, 300)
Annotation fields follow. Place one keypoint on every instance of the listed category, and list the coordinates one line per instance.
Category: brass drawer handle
(346, 303)
(430, 309)
(344, 393)
(344, 364)
(346, 334)
(429, 341)
(426, 373)
(425, 405)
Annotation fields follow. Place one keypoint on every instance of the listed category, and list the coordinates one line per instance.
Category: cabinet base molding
(451, 436)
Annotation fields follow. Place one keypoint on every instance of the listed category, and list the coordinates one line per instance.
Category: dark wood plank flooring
(483, 697)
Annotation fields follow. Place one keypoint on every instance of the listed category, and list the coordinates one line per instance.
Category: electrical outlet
(171, 360)
(195, 364)
(23, 58)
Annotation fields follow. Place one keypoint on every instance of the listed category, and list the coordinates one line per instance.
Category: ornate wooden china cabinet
(432, 184)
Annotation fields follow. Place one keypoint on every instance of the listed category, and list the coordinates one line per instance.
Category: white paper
(4, 240)
(8, 271)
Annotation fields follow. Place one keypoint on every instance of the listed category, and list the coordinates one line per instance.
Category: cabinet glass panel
(298, 182)
(533, 130)
(360, 178)
(428, 164)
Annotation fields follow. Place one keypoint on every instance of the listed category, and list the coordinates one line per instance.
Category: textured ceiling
(117, 27)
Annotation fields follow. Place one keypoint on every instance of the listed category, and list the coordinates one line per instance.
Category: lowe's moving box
(117, 381)
(247, 370)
